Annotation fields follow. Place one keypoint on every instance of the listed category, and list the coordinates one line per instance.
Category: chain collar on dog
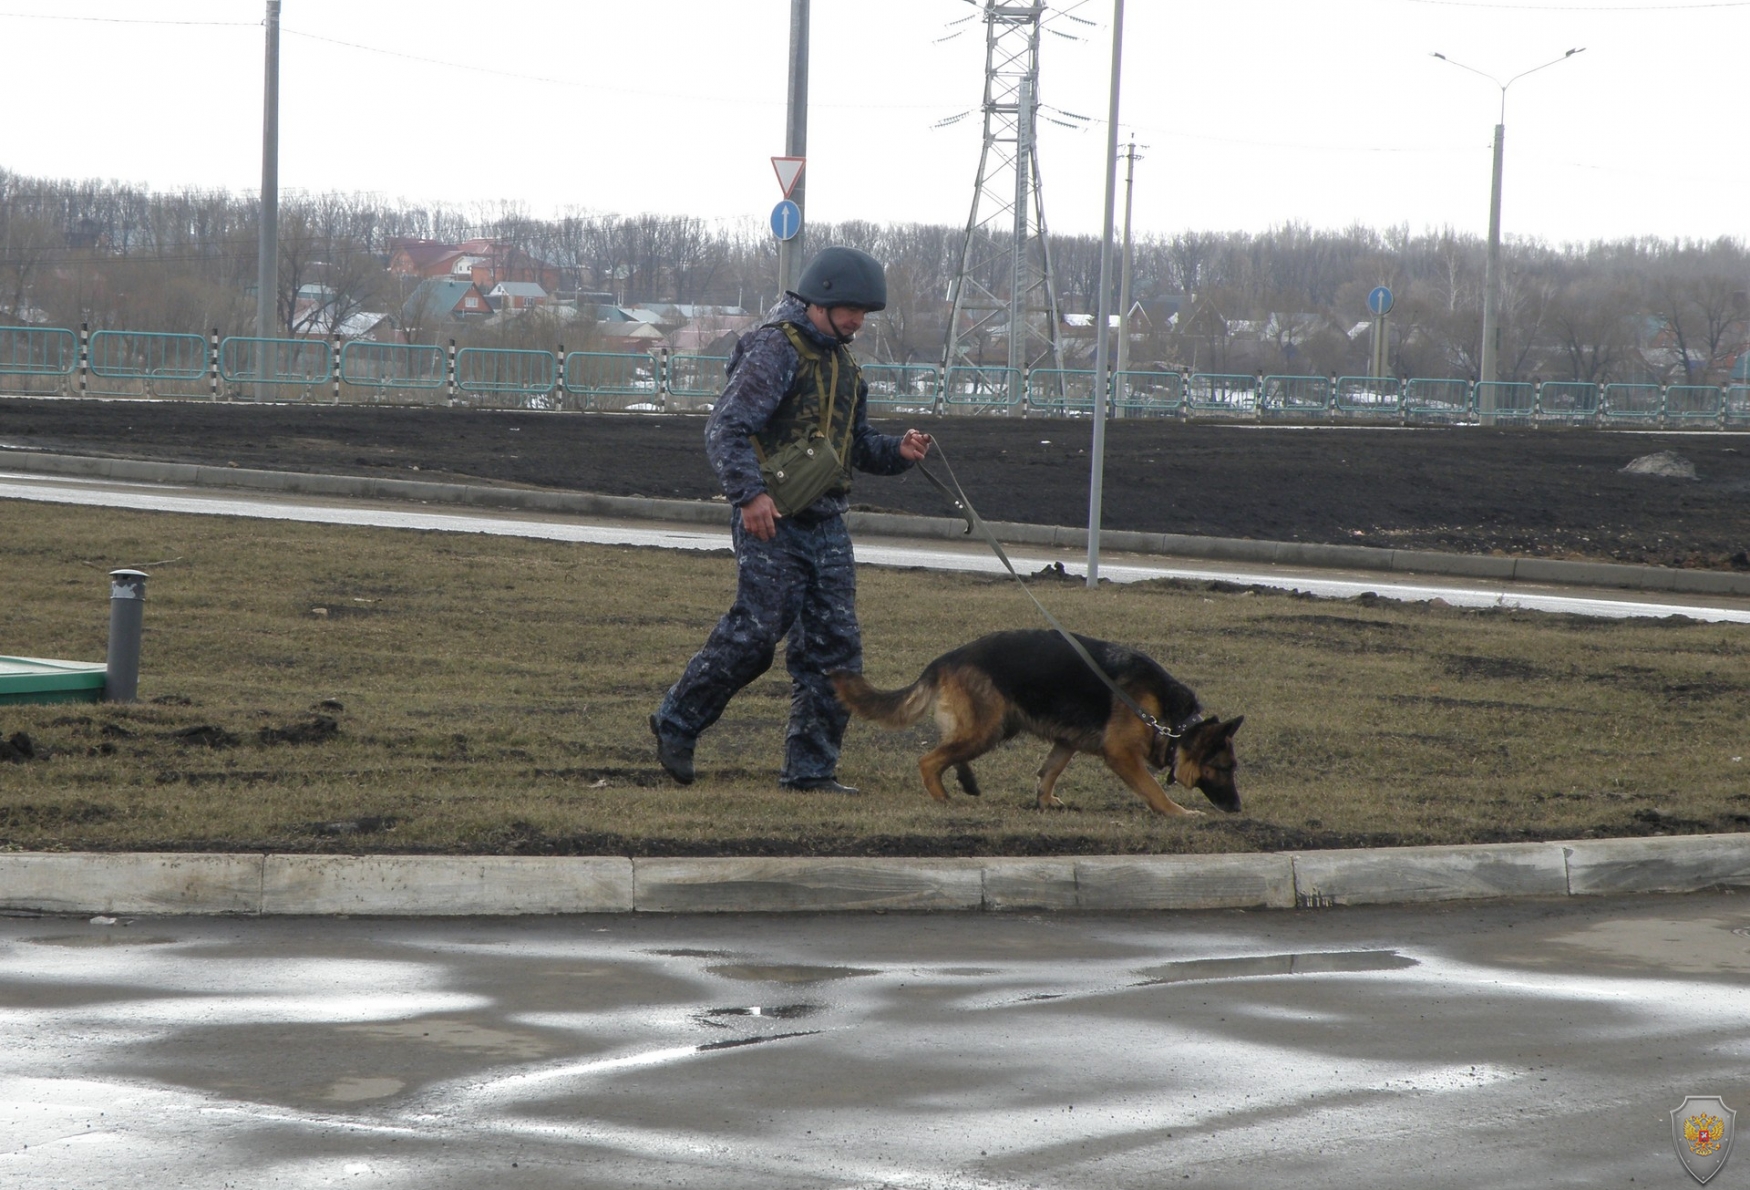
(957, 497)
(1172, 733)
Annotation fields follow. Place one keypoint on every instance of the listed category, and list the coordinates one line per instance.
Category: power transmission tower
(1005, 286)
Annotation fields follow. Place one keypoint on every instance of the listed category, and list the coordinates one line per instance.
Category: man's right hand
(759, 516)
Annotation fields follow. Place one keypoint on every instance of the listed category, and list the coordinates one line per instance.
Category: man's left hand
(915, 445)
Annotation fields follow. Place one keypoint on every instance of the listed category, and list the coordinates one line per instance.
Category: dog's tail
(889, 708)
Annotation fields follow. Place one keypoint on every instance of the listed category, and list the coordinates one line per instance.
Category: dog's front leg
(1050, 771)
(1134, 773)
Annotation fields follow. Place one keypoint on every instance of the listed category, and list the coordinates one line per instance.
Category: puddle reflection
(1310, 963)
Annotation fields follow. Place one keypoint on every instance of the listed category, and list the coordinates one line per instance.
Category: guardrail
(122, 363)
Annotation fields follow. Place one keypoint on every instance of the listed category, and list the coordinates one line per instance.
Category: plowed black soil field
(1542, 492)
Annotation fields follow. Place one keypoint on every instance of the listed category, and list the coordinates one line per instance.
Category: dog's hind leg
(955, 754)
(1050, 771)
(968, 782)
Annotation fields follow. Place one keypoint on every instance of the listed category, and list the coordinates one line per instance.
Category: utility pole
(1102, 316)
(267, 258)
(790, 251)
(1125, 277)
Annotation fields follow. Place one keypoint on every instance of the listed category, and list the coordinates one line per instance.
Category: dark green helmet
(843, 277)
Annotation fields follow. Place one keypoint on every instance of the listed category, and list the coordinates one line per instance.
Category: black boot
(676, 758)
(819, 785)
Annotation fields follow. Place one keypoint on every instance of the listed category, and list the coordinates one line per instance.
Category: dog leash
(974, 523)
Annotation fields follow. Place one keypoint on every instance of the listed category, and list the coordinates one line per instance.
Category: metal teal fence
(384, 371)
(1150, 394)
(37, 359)
(1567, 402)
(275, 364)
(1635, 404)
(903, 388)
(694, 382)
(48, 360)
(1295, 397)
(1217, 394)
(498, 376)
(1060, 392)
(1506, 402)
(1690, 404)
(975, 390)
(1737, 411)
(606, 380)
(1368, 398)
(1438, 401)
(147, 364)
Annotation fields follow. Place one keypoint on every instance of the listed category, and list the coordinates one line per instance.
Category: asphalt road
(1531, 1043)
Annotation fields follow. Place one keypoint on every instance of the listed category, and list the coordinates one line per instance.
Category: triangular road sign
(789, 170)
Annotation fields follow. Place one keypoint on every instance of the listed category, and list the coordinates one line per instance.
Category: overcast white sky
(1253, 112)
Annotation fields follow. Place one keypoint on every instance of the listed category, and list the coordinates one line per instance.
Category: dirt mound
(1666, 463)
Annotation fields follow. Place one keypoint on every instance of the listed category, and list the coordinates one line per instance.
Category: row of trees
(1288, 300)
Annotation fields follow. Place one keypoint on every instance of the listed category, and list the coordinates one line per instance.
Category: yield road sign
(786, 220)
(1379, 301)
(789, 171)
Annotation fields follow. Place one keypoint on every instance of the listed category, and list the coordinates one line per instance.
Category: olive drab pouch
(799, 472)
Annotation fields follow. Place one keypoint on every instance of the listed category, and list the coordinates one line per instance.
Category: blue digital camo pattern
(799, 587)
(762, 370)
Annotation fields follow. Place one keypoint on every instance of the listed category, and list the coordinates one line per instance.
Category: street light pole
(267, 250)
(1103, 305)
(1488, 358)
(795, 142)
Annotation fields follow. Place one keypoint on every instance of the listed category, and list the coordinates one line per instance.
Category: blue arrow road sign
(1379, 301)
(786, 220)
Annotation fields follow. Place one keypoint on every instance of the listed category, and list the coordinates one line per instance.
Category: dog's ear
(1232, 725)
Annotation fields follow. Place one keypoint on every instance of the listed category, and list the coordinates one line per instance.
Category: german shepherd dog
(1031, 680)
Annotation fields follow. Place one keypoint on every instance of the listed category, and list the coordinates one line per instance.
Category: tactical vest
(826, 379)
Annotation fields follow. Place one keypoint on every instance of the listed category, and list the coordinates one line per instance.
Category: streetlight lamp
(1492, 272)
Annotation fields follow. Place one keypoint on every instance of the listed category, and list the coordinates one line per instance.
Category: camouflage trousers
(799, 587)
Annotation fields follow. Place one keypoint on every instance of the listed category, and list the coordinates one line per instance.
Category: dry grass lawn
(488, 695)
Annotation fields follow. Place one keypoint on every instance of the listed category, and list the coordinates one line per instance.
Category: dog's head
(1205, 760)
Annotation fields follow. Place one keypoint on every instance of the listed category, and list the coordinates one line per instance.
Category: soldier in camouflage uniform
(796, 579)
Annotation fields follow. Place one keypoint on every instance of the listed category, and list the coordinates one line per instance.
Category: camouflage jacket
(761, 372)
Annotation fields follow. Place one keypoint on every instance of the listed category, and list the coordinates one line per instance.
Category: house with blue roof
(443, 299)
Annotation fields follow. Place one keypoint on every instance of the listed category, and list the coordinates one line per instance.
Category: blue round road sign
(1379, 301)
(786, 220)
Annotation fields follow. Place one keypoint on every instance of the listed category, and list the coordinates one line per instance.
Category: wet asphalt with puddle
(1463, 1045)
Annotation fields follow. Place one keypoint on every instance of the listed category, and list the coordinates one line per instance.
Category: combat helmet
(843, 277)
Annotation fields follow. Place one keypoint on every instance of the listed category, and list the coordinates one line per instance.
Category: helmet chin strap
(832, 321)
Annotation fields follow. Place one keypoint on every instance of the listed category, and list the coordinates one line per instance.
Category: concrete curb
(1225, 549)
(427, 886)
